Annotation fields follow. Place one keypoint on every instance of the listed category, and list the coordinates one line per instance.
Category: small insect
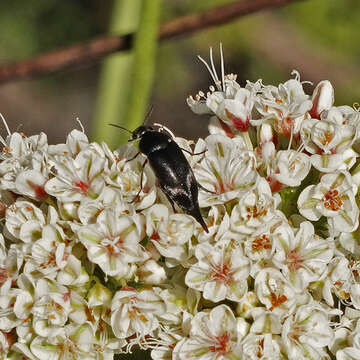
(171, 168)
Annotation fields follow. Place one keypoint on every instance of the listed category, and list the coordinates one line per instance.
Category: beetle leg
(191, 153)
(134, 157)
(141, 181)
(172, 204)
(207, 190)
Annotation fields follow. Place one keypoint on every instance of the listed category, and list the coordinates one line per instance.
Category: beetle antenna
(121, 127)
(148, 114)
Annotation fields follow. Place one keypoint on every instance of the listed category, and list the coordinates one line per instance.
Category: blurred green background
(319, 38)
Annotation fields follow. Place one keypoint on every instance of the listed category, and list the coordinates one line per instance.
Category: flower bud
(99, 295)
(150, 272)
(322, 98)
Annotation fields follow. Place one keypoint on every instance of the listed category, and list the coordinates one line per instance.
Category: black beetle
(171, 168)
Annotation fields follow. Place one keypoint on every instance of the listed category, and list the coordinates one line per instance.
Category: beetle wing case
(173, 172)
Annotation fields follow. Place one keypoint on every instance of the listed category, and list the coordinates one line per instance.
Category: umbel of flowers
(86, 272)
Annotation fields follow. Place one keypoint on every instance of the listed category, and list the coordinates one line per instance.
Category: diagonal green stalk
(143, 70)
(115, 77)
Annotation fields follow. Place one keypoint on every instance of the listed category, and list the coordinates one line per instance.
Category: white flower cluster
(88, 269)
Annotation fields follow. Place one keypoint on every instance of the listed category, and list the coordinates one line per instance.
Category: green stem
(143, 71)
(115, 78)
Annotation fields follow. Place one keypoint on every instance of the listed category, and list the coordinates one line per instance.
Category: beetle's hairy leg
(207, 190)
(172, 204)
(141, 182)
(134, 157)
(191, 153)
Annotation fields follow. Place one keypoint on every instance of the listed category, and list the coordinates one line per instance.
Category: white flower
(221, 271)
(256, 208)
(334, 198)
(329, 143)
(291, 167)
(284, 107)
(218, 223)
(229, 102)
(134, 312)
(262, 346)
(77, 178)
(214, 335)
(302, 257)
(31, 183)
(227, 170)
(275, 292)
(113, 242)
(169, 233)
(74, 342)
(307, 332)
(19, 153)
(322, 98)
(24, 221)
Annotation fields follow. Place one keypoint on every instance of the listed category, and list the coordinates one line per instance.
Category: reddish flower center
(222, 345)
(222, 273)
(155, 236)
(276, 300)
(82, 187)
(4, 275)
(254, 212)
(332, 200)
(261, 243)
(326, 137)
(240, 124)
(294, 260)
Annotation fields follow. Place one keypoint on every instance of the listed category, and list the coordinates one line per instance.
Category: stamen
(291, 136)
(208, 67)
(81, 125)
(213, 66)
(222, 67)
(5, 124)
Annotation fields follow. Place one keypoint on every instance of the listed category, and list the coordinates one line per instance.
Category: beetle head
(140, 131)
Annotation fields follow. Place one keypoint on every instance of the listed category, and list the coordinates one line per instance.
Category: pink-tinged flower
(228, 170)
(284, 107)
(333, 197)
(135, 312)
(77, 178)
(76, 141)
(306, 333)
(231, 103)
(218, 223)
(236, 111)
(221, 271)
(20, 153)
(276, 292)
(11, 261)
(48, 254)
(169, 233)
(329, 144)
(113, 242)
(303, 257)
(32, 184)
(262, 346)
(75, 342)
(214, 335)
(338, 281)
(256, 208)
(290, 167)
(322, 99)
(24, 221)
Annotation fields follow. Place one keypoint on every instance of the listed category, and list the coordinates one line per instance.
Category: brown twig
(92, 51)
